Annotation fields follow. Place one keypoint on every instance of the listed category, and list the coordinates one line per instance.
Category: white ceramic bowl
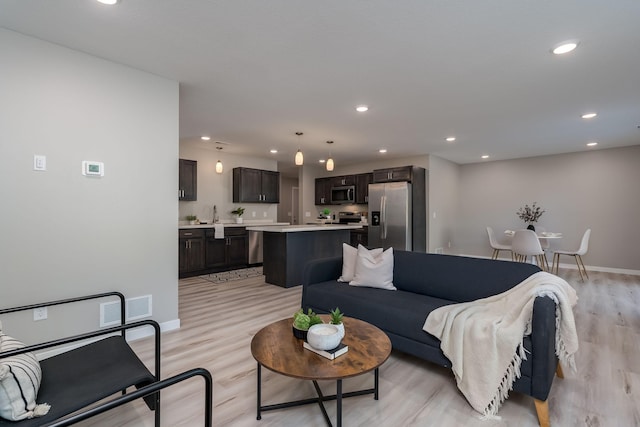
(324, 336)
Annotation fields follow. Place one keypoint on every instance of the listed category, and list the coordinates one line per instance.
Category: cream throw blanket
(483, 339)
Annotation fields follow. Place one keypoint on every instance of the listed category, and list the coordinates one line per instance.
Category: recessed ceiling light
(205, 138)
(486, 156)
(565, 48)
(273, 151)
(109, 2)
(450, 139)
(589, 115)
(592, 144)
(362, 108)
(382, 150)
(321, 161)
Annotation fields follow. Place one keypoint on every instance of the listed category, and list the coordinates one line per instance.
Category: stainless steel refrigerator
(390, 215)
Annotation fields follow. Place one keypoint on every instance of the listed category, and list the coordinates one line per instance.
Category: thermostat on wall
(90, 168)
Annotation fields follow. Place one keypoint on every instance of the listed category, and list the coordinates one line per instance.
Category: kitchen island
(287, 249)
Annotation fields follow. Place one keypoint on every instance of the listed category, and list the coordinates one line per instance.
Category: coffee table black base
(320, 399)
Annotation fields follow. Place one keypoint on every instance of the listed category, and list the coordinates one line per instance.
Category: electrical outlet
(264, 214)
(39, 313)
(253, 214)
(439, 250)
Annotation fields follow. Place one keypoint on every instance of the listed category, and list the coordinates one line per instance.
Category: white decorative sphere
(324, 336)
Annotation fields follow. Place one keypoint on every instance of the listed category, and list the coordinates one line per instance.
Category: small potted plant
(192, 219)
(302, 322)
(530, 214)
(238, 212)
(336, 319)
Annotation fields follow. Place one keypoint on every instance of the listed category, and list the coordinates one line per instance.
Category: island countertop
(233, 224)
(307, 227)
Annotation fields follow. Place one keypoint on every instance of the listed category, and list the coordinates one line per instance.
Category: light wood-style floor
(218, 322)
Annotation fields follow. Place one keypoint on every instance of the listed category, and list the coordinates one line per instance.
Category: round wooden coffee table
(275, 348)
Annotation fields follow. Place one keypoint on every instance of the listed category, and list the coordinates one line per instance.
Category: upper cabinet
(340, 181)
(404, 173)
(323, 191)
(255, 186)
(188, 180)
(362, 187)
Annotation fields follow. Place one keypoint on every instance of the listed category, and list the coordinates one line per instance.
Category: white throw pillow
(20, 378)
(349, 256)
(374, 271)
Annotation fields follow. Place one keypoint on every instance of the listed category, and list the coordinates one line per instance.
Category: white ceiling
(253, 72)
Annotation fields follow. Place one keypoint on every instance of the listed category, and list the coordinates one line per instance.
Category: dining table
(541, 235)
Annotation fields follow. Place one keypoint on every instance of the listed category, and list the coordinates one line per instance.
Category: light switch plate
(39, 162)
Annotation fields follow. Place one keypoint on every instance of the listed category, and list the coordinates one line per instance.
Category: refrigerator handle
(383, 217)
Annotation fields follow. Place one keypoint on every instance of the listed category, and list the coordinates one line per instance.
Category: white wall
(595, 189)
(64, 234)
(444, 187)
(217, 189)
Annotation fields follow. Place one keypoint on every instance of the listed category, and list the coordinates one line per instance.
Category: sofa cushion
(456, 278)
(374, 271)
(349, 258)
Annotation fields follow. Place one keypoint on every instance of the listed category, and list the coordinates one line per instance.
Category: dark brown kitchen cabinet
(362, 187)
(323, 191)
(360, 236)
(341, 181)
(255, 186)
(187, 180)
(230, 251)
(404, 173)
(191, 251)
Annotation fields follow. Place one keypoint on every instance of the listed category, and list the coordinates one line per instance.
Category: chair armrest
(543, 347)
(146, 391)
(68, 301)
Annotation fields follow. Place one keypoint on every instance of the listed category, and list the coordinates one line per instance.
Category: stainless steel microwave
(343, 195)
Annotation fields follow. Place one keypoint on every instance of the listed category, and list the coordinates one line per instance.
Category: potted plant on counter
(192, 219)
(238, 212)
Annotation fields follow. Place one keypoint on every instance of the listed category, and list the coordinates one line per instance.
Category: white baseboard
(132, 335)
(574, 266)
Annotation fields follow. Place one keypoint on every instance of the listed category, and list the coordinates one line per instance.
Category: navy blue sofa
(428, 281)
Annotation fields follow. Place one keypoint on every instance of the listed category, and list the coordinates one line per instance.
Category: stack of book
(329, 354)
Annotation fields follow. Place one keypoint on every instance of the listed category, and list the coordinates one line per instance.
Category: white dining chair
(497, 246)
(525, 243)
(577, 254)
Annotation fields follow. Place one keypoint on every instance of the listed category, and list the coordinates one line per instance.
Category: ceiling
(254, 72)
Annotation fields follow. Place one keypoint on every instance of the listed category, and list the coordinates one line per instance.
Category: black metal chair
(78, 378)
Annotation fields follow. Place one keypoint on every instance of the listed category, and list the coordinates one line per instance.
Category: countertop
(308, 227)
(249, 223)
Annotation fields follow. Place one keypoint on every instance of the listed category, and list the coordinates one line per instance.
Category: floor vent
(136, 308)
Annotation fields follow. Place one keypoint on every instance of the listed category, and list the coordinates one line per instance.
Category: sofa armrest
(318, 271)
(543, 347)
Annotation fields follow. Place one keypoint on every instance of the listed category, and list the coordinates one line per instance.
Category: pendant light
(219, 167)
(299, 157)
(329, 163)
